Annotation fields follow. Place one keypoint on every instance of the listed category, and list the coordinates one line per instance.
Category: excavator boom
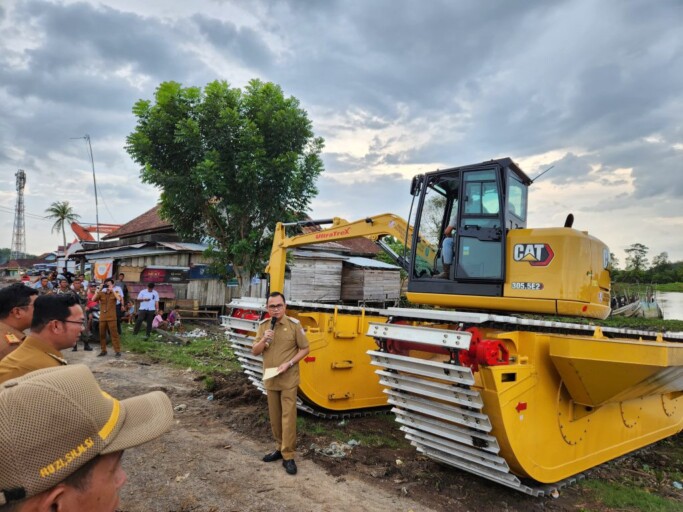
(374, 228)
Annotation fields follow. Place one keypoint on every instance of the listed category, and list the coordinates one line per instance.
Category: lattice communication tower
(19, 232)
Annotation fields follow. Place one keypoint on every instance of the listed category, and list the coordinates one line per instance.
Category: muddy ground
(211, 459)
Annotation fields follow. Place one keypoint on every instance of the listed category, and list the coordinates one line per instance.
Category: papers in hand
(269, 373)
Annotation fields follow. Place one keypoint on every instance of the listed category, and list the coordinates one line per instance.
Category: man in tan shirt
(282, 341)
(16, 312)
(57, 324)
(108, 296)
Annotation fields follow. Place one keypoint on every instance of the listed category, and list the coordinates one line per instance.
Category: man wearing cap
(108, 297)
(16, 313)
(62, 439)
(57, 323)
(149, 306)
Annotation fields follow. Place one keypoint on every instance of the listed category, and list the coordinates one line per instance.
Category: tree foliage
(229, 163)
(62, 213)
(661, 271)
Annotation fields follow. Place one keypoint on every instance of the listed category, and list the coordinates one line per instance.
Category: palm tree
(62, 213)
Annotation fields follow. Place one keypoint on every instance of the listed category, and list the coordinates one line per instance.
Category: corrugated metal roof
(142, 250)
(358, 261)
(319, 255)
(184, 246)
(117, 248)
(146, 251)
(368, 263)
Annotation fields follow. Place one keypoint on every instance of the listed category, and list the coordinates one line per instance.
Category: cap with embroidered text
(55, 420)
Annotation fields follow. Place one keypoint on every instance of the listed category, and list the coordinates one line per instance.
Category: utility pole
(19, 232)
(94, 181)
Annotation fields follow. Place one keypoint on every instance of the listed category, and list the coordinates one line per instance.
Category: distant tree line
(638, 268)
(6, 252)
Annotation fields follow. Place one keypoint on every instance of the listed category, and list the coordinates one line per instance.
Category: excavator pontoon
(475, 381)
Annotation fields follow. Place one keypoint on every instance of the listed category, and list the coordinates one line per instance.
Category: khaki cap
(54, 420)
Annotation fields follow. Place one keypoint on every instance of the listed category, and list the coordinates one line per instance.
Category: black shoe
(147, 338)
(272, 457)
(290, 466)
(118, 354)
(101, 354)
(87, 347)
(75, 349)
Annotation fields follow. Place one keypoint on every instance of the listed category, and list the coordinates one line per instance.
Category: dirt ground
(211, 459)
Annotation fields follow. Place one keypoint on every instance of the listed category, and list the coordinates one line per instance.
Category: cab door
(480, 241)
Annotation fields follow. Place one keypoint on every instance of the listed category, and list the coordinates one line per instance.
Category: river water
(671, 304)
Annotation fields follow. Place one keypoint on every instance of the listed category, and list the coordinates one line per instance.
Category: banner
(102, 269)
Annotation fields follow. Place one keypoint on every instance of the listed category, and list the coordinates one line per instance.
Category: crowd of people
(62, 435)
(106, 306)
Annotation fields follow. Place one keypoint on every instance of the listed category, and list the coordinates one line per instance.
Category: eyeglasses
(74, 322)
(276, 306)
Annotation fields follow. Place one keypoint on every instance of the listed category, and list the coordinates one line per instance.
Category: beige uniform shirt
(288, 338)
(107, 304)
(10, 338)
(33, 354)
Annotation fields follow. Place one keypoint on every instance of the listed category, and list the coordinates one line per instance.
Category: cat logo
(537, 255)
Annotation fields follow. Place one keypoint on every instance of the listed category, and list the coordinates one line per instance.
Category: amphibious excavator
(477, 377)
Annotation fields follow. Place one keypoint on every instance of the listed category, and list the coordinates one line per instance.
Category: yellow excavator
(526, 401)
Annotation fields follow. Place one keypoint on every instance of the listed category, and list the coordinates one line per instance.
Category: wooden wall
(370, 284)
(315, 280)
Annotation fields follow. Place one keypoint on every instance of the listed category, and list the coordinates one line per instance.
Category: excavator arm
(374, 228)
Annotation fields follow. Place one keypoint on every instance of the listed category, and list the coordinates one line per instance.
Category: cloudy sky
(594, 88)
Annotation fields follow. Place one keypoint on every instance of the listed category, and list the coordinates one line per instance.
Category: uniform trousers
(282, 413)
(109, 325)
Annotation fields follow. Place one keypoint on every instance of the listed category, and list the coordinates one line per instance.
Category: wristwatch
(291, 363)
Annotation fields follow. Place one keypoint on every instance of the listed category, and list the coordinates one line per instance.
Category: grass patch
(669, 287)
(356, 428)
(204, 355)
(620, 497)
(645, 324)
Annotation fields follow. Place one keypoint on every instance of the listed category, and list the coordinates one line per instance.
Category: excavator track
(437, 403)
(440, 409)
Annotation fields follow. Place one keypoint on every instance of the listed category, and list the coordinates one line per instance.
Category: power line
(7, 209)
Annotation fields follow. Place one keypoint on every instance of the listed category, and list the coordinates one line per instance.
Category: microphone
(273, 320)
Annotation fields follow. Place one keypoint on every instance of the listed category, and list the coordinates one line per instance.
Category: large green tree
(62, 213)
(229, 163)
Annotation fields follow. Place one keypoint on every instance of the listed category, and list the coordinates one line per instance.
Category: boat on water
(637, 305)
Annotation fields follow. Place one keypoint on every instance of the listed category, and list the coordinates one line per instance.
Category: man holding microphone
(282, 341)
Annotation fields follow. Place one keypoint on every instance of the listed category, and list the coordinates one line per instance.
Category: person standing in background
(16, 313)
(107, 296)
(78, 290)
(149, 306)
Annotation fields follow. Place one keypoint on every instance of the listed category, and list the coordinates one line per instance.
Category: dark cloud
(436, 84)
(243, 44)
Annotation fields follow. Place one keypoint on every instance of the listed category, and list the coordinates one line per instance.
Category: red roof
(148, 222)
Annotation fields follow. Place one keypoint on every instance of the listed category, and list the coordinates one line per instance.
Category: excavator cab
(489, 260)
(480, 203)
